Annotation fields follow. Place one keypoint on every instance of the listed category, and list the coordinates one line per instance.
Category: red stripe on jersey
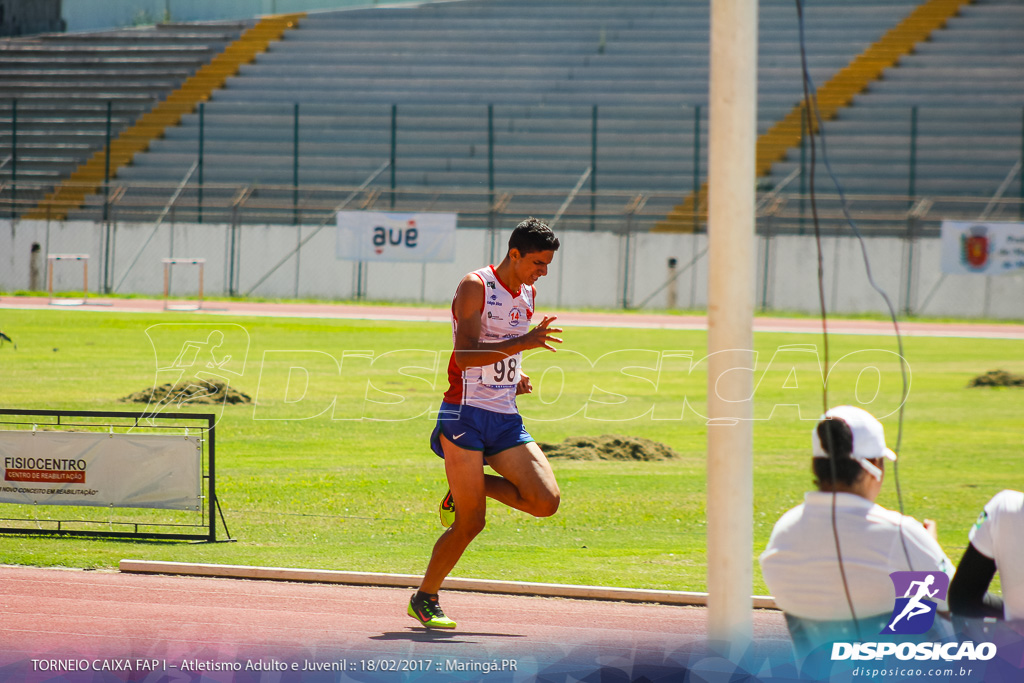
(454, 393)
(455, 383)
(500, 282)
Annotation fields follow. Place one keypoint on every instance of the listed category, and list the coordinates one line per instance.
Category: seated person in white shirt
(996, 544)
(847, 593)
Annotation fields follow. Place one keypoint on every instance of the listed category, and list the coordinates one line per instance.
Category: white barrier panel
(380, 236)
(97, 469)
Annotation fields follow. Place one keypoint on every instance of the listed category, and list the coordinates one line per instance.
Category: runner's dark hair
(533, 235)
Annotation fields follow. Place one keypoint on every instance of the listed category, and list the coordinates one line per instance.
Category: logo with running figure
(196, 364)
(914, 611)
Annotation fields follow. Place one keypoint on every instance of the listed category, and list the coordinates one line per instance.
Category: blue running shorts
(476, 429)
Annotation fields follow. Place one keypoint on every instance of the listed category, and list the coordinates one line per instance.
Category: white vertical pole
(731, 295)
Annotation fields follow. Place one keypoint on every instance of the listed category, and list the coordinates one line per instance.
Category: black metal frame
(208, 509)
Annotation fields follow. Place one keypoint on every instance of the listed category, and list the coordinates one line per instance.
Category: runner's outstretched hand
(541, 336)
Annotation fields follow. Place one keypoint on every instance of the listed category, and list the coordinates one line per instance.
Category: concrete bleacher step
(65, 54)
(936, 99)
(91, 88)
(93, 72)
(48, 125)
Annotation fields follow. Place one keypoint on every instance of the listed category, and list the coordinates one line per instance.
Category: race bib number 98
(504, 374)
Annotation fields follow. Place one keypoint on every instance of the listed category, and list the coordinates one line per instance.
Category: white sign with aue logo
(383, 236)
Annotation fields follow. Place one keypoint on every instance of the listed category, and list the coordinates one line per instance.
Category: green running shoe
(427, 611)
(447, 510)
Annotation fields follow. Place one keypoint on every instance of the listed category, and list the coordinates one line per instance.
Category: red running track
(105, 619)
(809, 325)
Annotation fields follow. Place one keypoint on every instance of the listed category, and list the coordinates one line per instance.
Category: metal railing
(484, 151)
(778, 212)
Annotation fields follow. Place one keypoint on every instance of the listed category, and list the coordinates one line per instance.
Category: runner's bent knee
(546, 504)
(542, 498)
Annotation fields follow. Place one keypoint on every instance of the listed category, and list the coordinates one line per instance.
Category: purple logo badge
(914, 611)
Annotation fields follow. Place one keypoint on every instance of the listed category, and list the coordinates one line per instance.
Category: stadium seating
(541, 66)
(538, 81)
(57, 89)
(965, 137)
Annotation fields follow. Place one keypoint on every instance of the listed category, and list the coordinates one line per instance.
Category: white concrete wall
(592, 269)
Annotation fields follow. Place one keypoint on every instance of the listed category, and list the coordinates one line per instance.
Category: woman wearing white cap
(828, 560)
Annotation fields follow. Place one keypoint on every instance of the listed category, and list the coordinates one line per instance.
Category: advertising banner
(97, 469)
(982, 248)
(381, 236)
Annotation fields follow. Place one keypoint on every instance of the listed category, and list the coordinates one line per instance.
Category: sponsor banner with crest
(382, 236)
(982, 248)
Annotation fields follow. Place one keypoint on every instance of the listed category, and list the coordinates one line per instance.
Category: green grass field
(330, 468)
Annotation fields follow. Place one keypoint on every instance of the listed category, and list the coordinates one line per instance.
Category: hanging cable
(809, 104)
(815, 127)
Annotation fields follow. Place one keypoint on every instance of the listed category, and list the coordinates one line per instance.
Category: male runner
(478, 422)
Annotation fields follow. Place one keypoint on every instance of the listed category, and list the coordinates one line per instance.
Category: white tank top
(505, 315)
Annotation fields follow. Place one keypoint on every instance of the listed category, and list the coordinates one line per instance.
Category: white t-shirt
(801, 568)
(999, 535)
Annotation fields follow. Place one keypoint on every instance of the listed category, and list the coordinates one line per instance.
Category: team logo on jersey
(982, 518)
(914, 611)
(513, 316)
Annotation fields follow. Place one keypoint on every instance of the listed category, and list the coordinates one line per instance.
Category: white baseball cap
(868, 437)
